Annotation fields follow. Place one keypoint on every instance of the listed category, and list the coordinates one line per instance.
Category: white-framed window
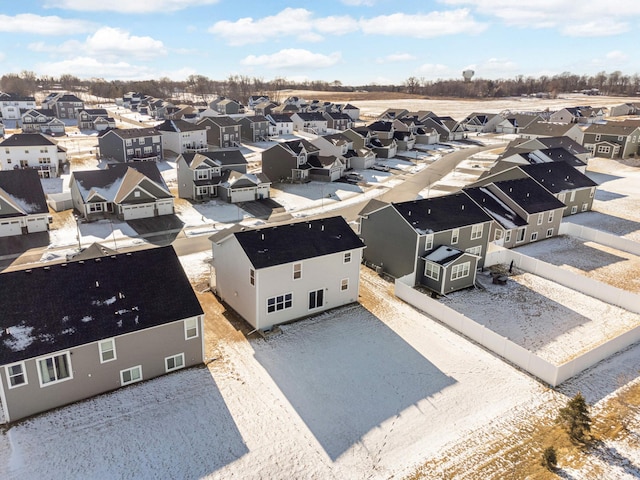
(592, 192)
(604, 149)
(572, 197)
(460, 271)
(574, 209)
(136, 194)
(107, 349)
(344, 284)
(432, 270)
(455, 235)
(147, 149)
(550, 218)
(520, 234)
(316, 299)
(585, 207)
(540, 218)
(252, 276)
(347, 257)
(534, 236)
(131, 375)
(507, 236)
(477, 250)
(202, 174)
(597, 139)
(498, 234)
(128, 142)
(54, 369)
(95, 207)
(190, 328)
(297, 271)
(129, 151)
(174, 362)
(476, 231)
(16, 375)
(428, 242)
(279, 302)
(550, 232)
(561, 197)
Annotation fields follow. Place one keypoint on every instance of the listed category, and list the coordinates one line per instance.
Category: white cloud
(107, 42)
(617, 55)
(396, 57)
(571, 18)
(359, 3)
(87, 67)
(127, 6)
(433, 24)
(434, 70)
(37, 24)
(292, 58)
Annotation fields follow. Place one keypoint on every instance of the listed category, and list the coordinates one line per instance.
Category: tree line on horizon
(240, 87)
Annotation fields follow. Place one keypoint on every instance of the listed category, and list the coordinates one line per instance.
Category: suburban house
(482, 122)
(131, 144)
(23, 206)
(264, 108)
(338, 120)
(540, 209)
(582, 115)
(32, 150)
(256, 99)
(539, 143)
(279, 124)
(12, 105)
(393, 113)
(515, 122)
(630, 108)
(363, 155)
(222, 131)
(90, 118)
(436, 242)
(180, 136)
(201, 176)
(312, 122)
(342, 146)
(65, 105)
(612, 140)
(300, 161)
(548, 129)
(44, 121)
(129, 191)
(228, 106)
(102, 328)
(545, 155)
(278, 274)
(352, 111)
(379, 136)
(255, 128)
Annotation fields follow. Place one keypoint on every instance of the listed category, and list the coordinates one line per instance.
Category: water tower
(467, 74)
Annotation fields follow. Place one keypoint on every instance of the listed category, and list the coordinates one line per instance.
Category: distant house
(12, 105)
(65, 105)
(630, 108)
(236, 187)
(278, 274)
(226, 106)
(545, 155)
(353, 112)
(128, 191)
(582, 115)
(548, 129)
(264, 108)
(254, 128)
(88, 117)
(515, 122)
(312, 122)
(23, 206)
(393, 113)
(300, 161)
(32, 150)
(41, 121)
(131, 145)
(436, 242)
(360, 155)
(482, 122)
(279, 124)
(103, 328)
(338, 120)
(522, 144)
(342, 146)
(180, 136)
(256, 99)
(612, 140)
(222, 131)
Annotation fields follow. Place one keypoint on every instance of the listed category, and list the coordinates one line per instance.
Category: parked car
(354, 177)
(380, 168)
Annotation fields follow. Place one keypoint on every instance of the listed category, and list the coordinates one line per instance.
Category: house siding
(277, 163)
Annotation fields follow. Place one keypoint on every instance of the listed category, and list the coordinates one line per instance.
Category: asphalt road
(405, 191)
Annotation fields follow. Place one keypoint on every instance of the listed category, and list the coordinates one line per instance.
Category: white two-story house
(32, 150)
(180, 136)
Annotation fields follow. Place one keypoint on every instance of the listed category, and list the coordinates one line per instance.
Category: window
(477, 250)
(597, 139)
(129, 151)
(604, 149)
(574, 209)
(585, 207)
(131, 375)
(498, 234)
(460, 271)
(534, 236)
(550, 219)
(432, 270)
(347, 257)
(592, 192)
(316, 299)
(620, 138)
(95, 207)
(190, 328)
(297, 271)
(279, 302)
(136, 194)
(476, 231)
(107, 350)
(520, 235)
(455, 234)
(550, 232)
(54, 369)
(128, 142)
(174, 363)
(16, 375)
(561, 197)
(344, 284)
(507, 236)
(573, 196)
(540, 218)
(252, 276)
(202, 174)
(428, 242)
(147, 149)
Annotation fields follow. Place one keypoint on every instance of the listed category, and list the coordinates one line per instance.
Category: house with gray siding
(131, 145)
(402, 239)
(65, 105)
(612, 140)
(255, 128)
(23, 206)
(222, 131)
(103, 328)
(278, 274)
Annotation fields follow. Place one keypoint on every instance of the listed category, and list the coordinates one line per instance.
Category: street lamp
(77, 219)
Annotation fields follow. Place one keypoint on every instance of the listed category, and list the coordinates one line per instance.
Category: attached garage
(142, 210)
(165, 207)
(242, 195)
(37, 224)
(10, 227)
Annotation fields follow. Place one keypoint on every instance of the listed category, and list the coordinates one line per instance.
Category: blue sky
(354, 41)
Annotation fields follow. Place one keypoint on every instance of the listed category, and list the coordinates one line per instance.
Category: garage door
(37, 224)
(165, 207)
(131, 212)
(243, 195)
(10, 227)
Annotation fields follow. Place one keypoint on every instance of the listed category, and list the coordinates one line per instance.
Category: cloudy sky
(354, 41)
